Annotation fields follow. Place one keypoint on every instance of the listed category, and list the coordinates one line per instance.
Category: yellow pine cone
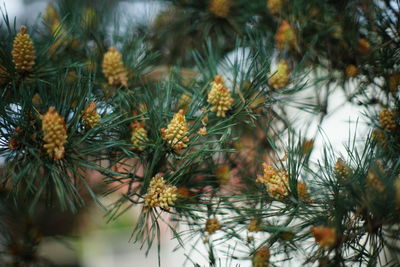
(91, 118)
(364, 46)
(386, 119)
(176, 133)
(138, 136)
(23, 52)
(285, 36)
(114, 69)
(261, 257)
(160, 194)
(54, 133)
(220, 8)
(351, 71)
(342, 171)
(220, 97)
(274, 6)
(324, 236)
(280, 78)
(212, 225)
(277, 182)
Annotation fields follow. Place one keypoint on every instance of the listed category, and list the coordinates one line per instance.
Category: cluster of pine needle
(188, 118)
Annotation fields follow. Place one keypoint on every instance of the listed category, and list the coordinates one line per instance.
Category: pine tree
(191, 114)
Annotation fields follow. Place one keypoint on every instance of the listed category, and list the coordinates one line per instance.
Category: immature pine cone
(285, 36)
(160, 194)
(54, 133)
(274, 6)
(212, 225)
(91, 118)
(138, 136)
(261, 257)
(277, 182)
(280, 78)
(114, 69)
(23, 52)
(220, 8)
(176, 133)
(220, 97)
(386, 119)
(324, 236)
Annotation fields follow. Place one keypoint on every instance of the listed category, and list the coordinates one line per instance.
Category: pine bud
(285, 37)
(4, 76)
(342, 171)
(277, 182)
(254, 226)
(274, 6)
(23, 52)
(364, 46)
(50, 14)
(183, 192)
(91, 118)
(393, 82)
(373, 177)
(302, 191)
(138, 136)
(261, 257)
(176, 133)
(223, 174)
(351, 71)
(220, 97)
(379, 136)
(13, 143)
(212, 225)
(54, 133)
(280, 78)
(202, 131)
(307, 146)
(184, 102)
(220, 8)
(386, 119)
(114, 69)
(160, 194)
(324, 236)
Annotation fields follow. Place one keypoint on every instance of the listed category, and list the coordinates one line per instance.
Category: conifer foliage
(189, 118)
